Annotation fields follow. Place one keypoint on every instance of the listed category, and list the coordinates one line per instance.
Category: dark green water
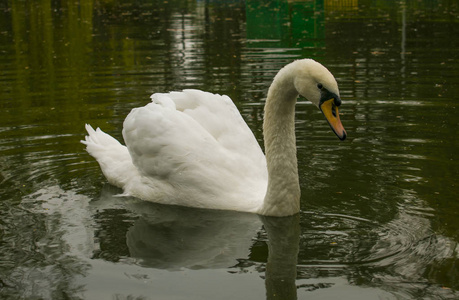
(380, 211)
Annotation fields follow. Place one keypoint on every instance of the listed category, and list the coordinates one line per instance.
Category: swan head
(314, 82)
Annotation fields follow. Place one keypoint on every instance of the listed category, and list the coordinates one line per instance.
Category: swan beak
(330, 111)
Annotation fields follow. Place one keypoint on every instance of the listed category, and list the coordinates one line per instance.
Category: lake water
(380, 212)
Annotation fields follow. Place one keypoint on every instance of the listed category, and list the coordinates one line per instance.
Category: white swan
(193, 148)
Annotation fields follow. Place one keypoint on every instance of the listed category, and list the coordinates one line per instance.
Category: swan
(193, 148)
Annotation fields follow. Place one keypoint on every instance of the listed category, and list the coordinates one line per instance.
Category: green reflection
(284, 24)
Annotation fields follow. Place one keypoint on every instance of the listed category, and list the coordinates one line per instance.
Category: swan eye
(320, 86)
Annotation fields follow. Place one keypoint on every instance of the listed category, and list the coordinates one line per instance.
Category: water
(380, 216)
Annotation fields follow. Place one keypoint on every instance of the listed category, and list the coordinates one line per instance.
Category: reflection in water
(339, 254)
(283, 242)
(389, 224)
(46, 248)
(330, 246)
(285, 24)
(173, 238)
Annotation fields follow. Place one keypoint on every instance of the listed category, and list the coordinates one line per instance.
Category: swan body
(193, 148)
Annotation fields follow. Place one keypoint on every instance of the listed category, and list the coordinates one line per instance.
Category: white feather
(188, 148)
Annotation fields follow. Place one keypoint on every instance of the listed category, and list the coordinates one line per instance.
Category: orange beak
(330, 111)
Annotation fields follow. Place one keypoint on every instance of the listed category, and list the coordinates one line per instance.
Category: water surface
(379, 216)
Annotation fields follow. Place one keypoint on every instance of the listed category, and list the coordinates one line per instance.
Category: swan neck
(283, 191)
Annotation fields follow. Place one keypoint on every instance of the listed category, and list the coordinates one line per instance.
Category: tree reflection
(65, 63)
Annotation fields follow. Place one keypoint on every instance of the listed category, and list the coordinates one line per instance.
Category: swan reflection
(327, 254)
(174, 238)
(283, 243)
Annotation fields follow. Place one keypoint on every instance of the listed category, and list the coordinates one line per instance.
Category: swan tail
(113, 158)
(98, 139)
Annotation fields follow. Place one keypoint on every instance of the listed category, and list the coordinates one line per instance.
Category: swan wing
(198, 145)
(219, 116)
